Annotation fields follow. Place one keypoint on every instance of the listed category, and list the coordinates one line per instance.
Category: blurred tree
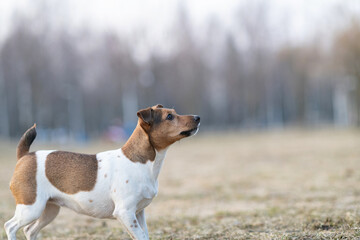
(254, 32)
(347, 53)
(73, 82)
(4, 116)
(233, 68)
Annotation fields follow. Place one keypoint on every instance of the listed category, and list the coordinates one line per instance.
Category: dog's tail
(25, 142)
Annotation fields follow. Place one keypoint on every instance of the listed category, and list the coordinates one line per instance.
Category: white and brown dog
(113, 184)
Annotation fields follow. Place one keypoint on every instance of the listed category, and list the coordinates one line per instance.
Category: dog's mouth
(190, 132)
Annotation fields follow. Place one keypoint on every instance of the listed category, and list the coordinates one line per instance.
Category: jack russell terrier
(115, 184)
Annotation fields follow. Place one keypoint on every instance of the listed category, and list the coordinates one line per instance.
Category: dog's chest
(149, 191)
(139, 183)
(134, 181)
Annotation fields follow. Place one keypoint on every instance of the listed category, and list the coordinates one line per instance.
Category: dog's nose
(197, 118)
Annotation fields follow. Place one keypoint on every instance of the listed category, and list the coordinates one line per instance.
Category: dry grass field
(274, 185)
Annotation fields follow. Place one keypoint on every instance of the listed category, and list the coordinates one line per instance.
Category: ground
(292, 184)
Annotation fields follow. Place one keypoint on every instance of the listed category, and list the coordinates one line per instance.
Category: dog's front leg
(128, 218)
(141, 218)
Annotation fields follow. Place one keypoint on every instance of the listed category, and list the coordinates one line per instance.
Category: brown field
(274, 185)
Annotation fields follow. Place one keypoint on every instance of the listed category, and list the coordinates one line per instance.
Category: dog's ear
(158, 106)
(146, 117)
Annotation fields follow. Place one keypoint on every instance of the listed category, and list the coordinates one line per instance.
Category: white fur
(123, 194)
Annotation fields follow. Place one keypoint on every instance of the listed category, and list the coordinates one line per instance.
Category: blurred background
(81, 69)
(276, 83)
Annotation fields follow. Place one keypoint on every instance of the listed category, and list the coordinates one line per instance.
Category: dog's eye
(169, 117)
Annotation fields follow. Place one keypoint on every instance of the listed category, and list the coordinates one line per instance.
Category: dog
(117, 184)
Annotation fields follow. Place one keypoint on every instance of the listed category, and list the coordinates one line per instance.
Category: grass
(274, 185)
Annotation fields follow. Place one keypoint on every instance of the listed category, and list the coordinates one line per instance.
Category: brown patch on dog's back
(23, 182)
(71, 172)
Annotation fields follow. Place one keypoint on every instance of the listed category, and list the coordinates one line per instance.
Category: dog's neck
(159, 159)
(138, 148)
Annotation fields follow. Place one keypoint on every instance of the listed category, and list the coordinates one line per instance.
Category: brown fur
(154, 132)
(138, 147)
(163, 133)
(71, 172)
(23, 182)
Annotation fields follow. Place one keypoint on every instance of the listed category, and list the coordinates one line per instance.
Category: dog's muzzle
(194, 130)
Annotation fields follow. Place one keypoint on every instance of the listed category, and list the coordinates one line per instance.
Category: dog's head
(164, 126)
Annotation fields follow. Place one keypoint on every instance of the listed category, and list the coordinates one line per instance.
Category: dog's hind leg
(24, 215)
(50, 212)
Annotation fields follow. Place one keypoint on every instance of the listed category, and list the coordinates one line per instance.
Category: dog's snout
(197, 118)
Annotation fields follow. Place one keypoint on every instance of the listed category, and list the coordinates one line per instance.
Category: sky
(301, 17)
